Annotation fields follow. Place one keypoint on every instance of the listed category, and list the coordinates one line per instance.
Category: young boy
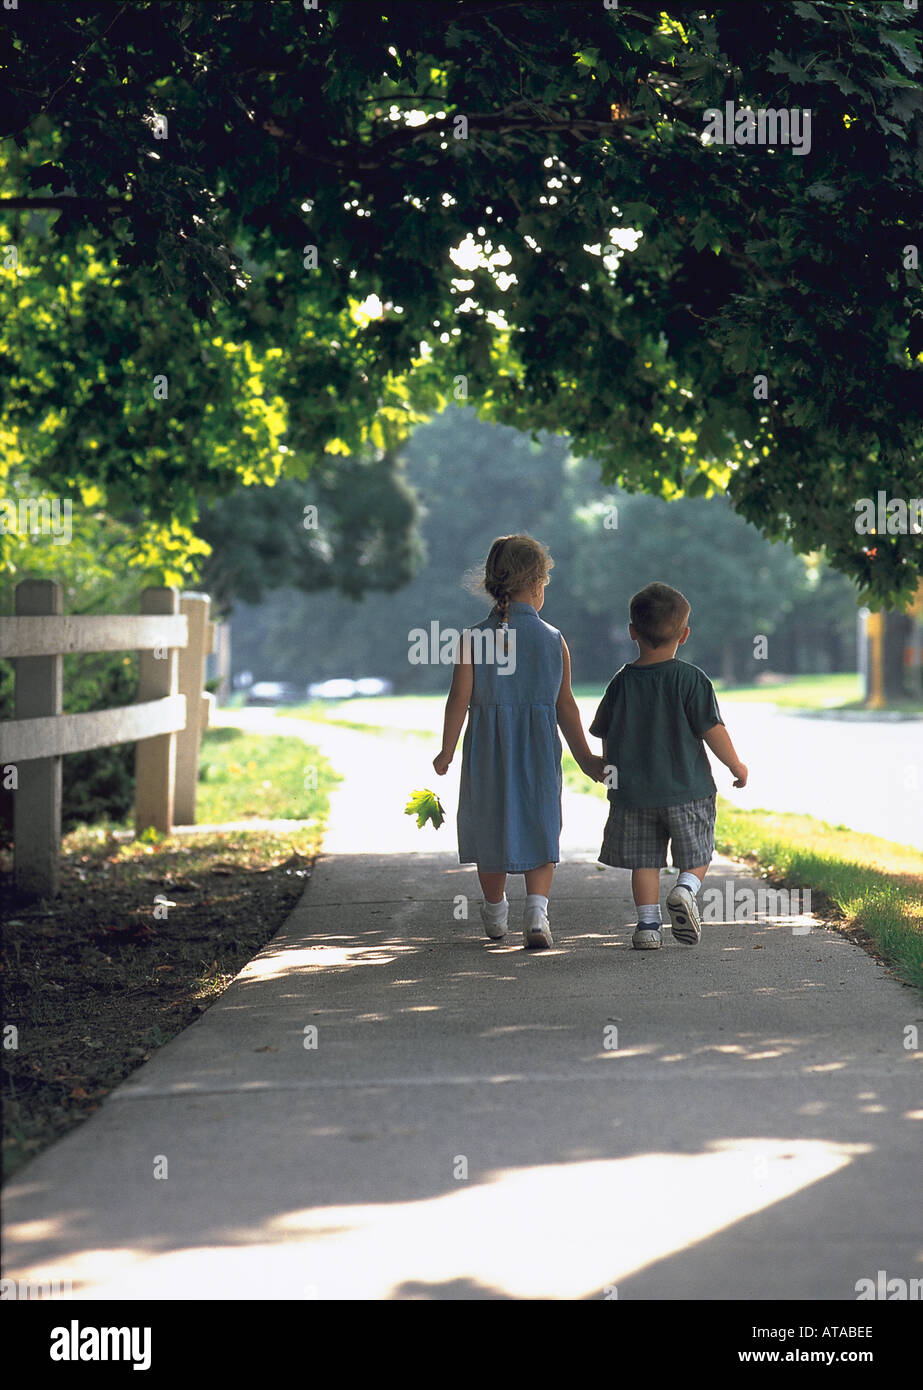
(653, 719)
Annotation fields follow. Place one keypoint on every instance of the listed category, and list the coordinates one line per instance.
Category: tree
(475, 481)
(698, 316)
(101, 569)
(357, 532)
(741, 589)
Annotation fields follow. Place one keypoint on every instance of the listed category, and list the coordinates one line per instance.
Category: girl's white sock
(496, 910)
(537, 900)
(690, 881)
(649, 912)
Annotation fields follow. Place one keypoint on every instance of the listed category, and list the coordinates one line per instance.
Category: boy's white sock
(494, 911)
(537, 900)
(690, 881)
(650, 912)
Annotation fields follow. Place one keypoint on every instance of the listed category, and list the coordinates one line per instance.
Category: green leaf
(823, 192)
(907, 56)
(807, 11)
(699, 485)
(826, 72)
(425, 805)
(637, 214)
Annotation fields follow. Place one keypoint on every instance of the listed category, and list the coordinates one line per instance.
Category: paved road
(865, 774)
(469, 1125)
(380, 774)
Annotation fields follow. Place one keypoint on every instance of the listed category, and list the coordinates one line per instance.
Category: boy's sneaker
(647, 937)
(536, 933)
(495, 927)
(685, 922)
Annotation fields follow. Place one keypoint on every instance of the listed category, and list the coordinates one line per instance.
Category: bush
(99, 784)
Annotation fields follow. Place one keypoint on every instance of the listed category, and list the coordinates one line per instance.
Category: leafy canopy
(615, 277)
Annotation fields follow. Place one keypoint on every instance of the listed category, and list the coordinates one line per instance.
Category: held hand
(739, 773)
(441, 763)
(596, 768)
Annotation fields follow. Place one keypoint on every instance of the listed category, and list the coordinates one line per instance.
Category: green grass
(577, 781)
(875, 884)
(800, 692)
(843, 688)
(243, 775)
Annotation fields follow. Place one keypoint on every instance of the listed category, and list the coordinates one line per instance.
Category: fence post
(37, 800)
(155, 758)
(192, 685)
(222, 650)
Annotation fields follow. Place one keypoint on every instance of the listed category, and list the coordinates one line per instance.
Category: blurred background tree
(475, 481)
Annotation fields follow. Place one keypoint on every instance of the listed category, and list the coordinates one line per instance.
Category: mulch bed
(96, 979)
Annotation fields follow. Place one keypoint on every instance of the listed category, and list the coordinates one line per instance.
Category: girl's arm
(456, 706)
(572, 728)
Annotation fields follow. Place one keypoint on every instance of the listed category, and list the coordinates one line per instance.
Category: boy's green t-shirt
(652, 719)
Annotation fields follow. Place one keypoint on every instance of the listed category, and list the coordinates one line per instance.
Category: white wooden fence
(172, 634)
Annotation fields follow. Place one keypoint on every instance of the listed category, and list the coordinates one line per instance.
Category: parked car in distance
(347, 689)
(371, 685)
(274, 693)
(332, 690)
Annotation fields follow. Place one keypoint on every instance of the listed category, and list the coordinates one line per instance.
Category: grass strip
(876, 886)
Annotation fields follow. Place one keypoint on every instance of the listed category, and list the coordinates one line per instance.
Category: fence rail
(173, 635)
(22, 740)
(63, 636)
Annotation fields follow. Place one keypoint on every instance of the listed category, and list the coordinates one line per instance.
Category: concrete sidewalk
(736, 1120)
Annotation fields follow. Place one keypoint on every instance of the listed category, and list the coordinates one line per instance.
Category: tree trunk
(897, 635)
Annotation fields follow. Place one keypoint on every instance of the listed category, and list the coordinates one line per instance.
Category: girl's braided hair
(513, 563)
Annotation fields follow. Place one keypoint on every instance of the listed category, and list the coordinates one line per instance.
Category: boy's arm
(719, 741)
(571, 726)
(456, 707)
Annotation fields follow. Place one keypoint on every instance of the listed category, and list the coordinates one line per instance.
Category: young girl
(509, 812)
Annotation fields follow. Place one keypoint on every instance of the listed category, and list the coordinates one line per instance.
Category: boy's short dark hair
(659, 614)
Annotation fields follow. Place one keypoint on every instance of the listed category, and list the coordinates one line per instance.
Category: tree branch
(77, 61)
(497, 123)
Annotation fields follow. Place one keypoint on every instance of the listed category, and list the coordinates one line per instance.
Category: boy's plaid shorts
(636, 837)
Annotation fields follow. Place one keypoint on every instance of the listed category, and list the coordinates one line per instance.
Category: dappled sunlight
(590, 1212)
(327, 1172)
(88, 1270)
(759, 1050)
(788, 988)
(270, 965)
(593, 1232)
(620, 1053)
(48, 1229)
(501, 1029)
(603, 937)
